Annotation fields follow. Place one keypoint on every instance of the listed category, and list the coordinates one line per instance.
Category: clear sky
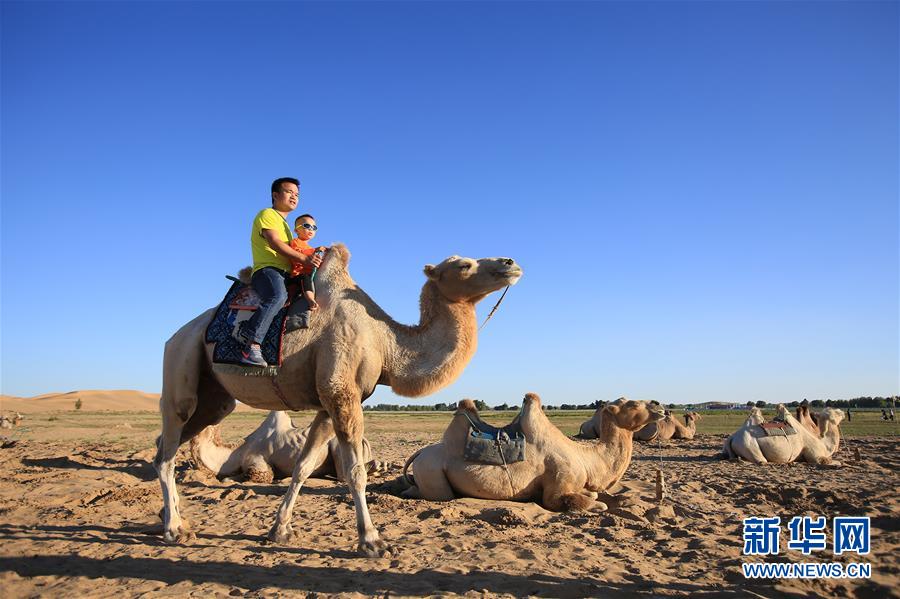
(703, 195)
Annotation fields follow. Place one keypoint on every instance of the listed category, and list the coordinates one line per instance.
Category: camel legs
(348, 426)
(320, 432)
(174, 529)
(191, 400)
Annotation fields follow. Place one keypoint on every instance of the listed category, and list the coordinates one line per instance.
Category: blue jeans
(268, 283)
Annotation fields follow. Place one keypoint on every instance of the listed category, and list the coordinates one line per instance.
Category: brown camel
(669, 428)
(559, 473)
(352, 345)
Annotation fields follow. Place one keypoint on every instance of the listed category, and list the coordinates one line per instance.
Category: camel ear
(430, 271)
(613, 408)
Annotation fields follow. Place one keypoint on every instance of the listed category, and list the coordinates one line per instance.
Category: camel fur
(269, 452)
(807, 418)
(557, 472)
(752, 444)
(669, 428)
(352, 345)
(7, 422)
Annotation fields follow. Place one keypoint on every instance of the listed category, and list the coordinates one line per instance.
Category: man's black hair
(276, 184)
(303, 216)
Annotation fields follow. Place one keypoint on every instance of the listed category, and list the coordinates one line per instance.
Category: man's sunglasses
(309, 227)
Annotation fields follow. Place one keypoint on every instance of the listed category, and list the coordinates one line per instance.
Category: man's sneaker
(252, 355)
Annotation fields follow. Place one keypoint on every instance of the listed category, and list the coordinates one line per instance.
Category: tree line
(856, 402)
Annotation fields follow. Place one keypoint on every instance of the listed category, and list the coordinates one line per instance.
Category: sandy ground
(79, 518)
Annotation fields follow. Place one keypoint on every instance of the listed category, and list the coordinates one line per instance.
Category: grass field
(139, 429)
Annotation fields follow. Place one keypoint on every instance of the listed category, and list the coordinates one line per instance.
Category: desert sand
(79, 502)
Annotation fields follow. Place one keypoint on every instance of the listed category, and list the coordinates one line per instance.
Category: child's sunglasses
(309, 227)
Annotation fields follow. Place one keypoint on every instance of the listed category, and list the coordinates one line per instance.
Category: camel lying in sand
(751, 443)
(7, 422)
(670, 428)
(559, 473)
(269, 452)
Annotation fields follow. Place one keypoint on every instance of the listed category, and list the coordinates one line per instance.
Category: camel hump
(531, 397)
(468, 405)
(340, 251)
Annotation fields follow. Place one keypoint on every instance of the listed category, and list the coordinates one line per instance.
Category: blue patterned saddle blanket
(238, 306)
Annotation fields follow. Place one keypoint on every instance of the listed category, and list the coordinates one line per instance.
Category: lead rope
(494, 309)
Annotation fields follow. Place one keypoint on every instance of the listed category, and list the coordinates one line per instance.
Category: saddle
(777, 428)
(486, 444)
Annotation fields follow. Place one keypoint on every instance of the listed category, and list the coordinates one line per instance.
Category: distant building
(717, 405)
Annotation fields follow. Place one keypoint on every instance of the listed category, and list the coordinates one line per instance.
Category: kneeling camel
(558, 472)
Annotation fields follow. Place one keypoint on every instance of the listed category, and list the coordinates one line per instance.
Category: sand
(78, 517)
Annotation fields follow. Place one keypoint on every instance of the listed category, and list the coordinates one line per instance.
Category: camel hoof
(599, 506)
(180, 536)
(282, 536)
(377, 548)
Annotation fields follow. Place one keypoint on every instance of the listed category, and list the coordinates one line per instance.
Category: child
(305, 227)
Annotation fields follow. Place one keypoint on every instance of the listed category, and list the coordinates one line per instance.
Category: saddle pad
(498, 449)
(777, 429)
(231, 312)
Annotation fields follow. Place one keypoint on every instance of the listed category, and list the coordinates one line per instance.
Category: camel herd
(351, 347)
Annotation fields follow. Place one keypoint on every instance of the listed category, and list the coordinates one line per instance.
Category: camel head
(467, 280)
(633, 414)
(781, 412)
(691, 417)
(831, 416)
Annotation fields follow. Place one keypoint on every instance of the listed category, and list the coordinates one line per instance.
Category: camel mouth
(512, 274)
(656, 415)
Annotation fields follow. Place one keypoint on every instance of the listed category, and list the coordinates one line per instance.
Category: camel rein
(494, 309)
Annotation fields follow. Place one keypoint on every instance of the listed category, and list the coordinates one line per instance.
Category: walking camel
(352, 345)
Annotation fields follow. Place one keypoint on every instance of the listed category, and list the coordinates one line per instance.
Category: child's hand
(322, 249)
(313, 305)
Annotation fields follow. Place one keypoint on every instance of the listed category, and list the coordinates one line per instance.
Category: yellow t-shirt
(263, 255)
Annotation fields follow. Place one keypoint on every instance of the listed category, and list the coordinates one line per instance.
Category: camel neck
(831, 437)
(429, 356)
(611, 455)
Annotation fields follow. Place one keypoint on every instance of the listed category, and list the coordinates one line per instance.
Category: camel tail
(409, 477)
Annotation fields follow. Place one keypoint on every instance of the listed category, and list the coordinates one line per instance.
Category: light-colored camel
(558, 472)
(7, 422)
(269, 452)
(352, 345)
(670, 428)
(751, 443)
(807, 419)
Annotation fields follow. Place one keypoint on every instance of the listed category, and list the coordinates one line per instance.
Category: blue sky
(703, 195)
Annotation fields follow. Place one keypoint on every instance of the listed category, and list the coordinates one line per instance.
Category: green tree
(760, 404)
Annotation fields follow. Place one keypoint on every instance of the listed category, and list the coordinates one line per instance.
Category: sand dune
(91, 401)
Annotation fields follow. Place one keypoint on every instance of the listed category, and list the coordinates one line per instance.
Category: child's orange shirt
(304, 248)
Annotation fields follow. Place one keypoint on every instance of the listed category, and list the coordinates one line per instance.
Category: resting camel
(6, 422)
(559, 473)
(351, 346)
(670, 428)
(269, 452)
(751, 443)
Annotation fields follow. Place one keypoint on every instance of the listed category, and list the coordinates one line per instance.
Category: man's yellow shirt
(263, 255)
